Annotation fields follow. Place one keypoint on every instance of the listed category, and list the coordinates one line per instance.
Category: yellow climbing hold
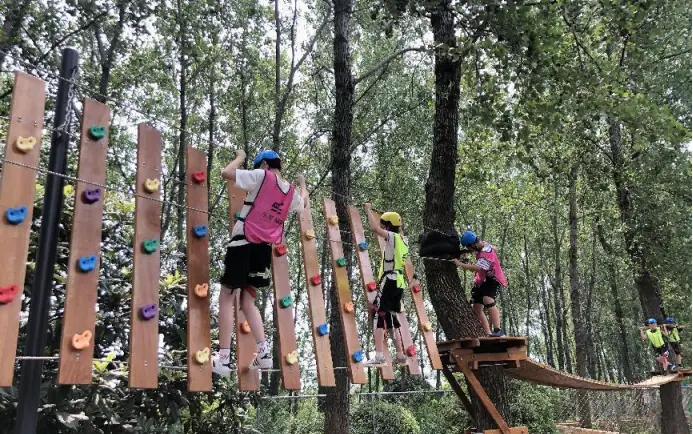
(151, 185)
(25, 144)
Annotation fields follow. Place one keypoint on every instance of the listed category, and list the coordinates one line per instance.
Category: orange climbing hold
(202, 290)
(349, 307)
(80, 342)
(245, 327)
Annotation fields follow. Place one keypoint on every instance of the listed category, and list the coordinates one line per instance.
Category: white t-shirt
(389, 253)
(250, 181)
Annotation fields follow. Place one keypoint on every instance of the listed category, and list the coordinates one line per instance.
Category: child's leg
(396, 334)
(226, 313)
(493, 312)
(479, 311)
(252, 314)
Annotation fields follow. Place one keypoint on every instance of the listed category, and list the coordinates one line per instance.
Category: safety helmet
(468, 238)
(267, 154)
(391, 217)
(652, 321)
(671, 320)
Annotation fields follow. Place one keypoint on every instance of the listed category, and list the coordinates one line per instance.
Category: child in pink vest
(249, 254)
(488, 278)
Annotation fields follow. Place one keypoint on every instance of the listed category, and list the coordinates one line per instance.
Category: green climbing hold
(341, 262)
(286, 301)
(97, 132)
(237, 215)
(150, 246)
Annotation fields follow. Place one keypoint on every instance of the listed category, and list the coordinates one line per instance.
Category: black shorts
(659, 351)
(487, 289)
(676, 346)
(388, 303)
(248, 265)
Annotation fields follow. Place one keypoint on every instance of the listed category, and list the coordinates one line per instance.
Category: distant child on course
(658, 339)
(249, 254)
(674, 338)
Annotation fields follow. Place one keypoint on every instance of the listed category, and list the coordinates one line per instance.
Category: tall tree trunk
(211, 126)
(587, 317)
(673, 418)
(581, 336)
(337, 414)
(447, 296)
(180, 210)
(277, 77)
(557, 283)
(547, 311)
(528, 284)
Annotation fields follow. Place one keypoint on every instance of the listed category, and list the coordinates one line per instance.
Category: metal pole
(30, 380)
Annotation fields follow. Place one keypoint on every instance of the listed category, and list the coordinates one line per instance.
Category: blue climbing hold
(86, 263)
(200, 231)
(16, 215)
(357, 357)
(363, 246)
(322, 329)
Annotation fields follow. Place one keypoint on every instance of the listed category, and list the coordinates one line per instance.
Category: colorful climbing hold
(427, 327)
(363, 246)
(7, 293)
(150, 246)
(285, 302)
(309, 234)
(292, 357)
(280, 249)
(245, 327)
(202, 356)
(315, 280)
(199, 176)
(148, 311)
(151, 185)
(200, 231)
(237, 215)
(201, 290)
(333, 220)
(81, 341)
(341, 262)
(411, 351)
(416, 288)
(349, 307)
(322, 329)
(91, 195)
(97, 132)
(357, 357)
(25, 144)
(16, 215)
(86, 263)
(371, 286)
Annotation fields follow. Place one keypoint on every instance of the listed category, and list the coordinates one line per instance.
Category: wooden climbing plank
(87, 220)
(405, 331)
(17, 187)
(198, 325)
(341, 280)
(291, 376)
(367, 278)
(245, 342)
(481, 394)
(428, 335)
(144, 333)
(316, 302)
(514, 430)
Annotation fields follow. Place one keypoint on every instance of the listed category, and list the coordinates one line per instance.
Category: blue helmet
(671, 320)
(267, 154)
(652, 321)
(468, 238)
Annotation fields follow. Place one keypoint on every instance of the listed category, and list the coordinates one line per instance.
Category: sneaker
(221, 368)
(497, 333)
(376, 362)
(672, 368)
(261, 361)
(400, 359)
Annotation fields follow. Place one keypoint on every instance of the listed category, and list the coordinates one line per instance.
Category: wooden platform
(508, 351)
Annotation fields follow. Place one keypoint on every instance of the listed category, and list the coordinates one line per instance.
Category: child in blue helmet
(488, 279)
(658, 339)
(672, 329)
(249, 253)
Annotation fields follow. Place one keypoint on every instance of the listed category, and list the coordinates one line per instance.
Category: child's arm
(665, 332)
(373, 222)
(229, 172)
(642, 334)
(301, 181)
(465, 266)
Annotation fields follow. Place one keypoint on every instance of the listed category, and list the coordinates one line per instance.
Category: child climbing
(674, 339)
(658, 338)
(249, 254)
(488, 278)
(388, 301)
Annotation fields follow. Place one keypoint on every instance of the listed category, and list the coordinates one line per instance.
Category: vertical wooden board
(367, 276)
(144, 334)
(81, 291)
(341, 279)
(405, 331)
(316, 302)
(291, 379)
(17, 188)
(198, 325)
(429, 336)
(245, 342)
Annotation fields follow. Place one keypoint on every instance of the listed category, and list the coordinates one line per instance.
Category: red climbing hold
(416, 288)
(315, 280)
(7, 293)
(371, 286)
(411, 351)
(199, 176)
(280, 250)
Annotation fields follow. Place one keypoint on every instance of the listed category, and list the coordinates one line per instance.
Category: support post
(30, 384)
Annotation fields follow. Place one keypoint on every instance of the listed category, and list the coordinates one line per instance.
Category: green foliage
(383, 417)
(535, 407)
(442, 415)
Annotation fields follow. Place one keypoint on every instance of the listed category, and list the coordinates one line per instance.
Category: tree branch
(386, 61)
(69, 35)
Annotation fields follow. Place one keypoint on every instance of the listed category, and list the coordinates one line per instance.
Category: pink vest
(496, 272)
(264, 223)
